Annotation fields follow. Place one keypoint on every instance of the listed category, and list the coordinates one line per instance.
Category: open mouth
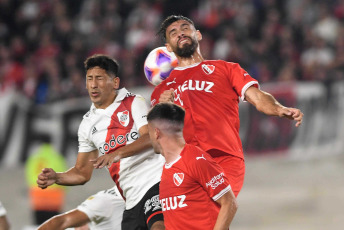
(183, 40)
(94, 94)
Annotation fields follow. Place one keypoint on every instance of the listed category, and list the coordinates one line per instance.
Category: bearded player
(209, 91)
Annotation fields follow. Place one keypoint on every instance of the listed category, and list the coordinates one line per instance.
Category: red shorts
(234, 168)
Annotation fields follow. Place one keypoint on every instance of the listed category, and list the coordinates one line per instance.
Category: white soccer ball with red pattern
(159, 64)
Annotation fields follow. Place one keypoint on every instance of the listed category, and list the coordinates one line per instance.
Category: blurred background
(294, 48)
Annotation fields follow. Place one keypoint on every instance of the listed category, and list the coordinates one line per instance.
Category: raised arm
(228, 209)
(266, 103)
(77, 175)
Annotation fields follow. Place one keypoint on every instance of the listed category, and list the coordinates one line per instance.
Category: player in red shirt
(194, 191)
(209, 91)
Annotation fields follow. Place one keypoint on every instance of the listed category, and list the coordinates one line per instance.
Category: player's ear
(157, 133)
(116, 81)
(198, 35)
(168, 47)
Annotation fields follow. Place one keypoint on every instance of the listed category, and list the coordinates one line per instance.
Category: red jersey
(209, 92)
(189, 189)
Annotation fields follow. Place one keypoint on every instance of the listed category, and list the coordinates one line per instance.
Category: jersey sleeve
(102, 205)
(139, 110)
(155, 95)
(209, 175)
(240, 79)
(85, 145)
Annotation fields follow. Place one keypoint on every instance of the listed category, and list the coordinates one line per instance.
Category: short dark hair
(107, 63)
(167, 111)
(168, 21)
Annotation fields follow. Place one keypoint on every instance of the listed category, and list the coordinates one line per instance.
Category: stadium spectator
(250, 31)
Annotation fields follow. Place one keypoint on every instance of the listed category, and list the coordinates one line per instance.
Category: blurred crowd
(43, 43)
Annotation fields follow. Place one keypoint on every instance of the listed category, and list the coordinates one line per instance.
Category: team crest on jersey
(123, 118)
(178, 178)
(208, 69)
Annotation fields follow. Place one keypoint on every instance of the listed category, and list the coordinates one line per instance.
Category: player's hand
(292, 114)
(46, 178)
(167, 96)
(105, 160)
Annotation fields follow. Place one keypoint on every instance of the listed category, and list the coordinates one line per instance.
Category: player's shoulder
(162, 85)
(130, 94)
(193, 153)
(222, 62)
(139, 97)
(158, 90)
(133, 99)
(86, 119)
(89, 115)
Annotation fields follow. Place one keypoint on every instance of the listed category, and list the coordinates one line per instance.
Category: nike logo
(171, 82)
(202, 157)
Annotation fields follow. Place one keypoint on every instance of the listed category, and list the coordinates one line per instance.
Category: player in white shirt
(116, 128)
(101, 211)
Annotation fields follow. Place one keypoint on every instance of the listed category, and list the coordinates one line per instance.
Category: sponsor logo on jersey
(152, 204)
(123, 118)
(208, 69)
(216, 181)
(177, 97)
(202, 157)
(192, 85)
(119, 140)
(171, 82)
(195, 85)
(178, 178)
(129, 94)
(172, 203)
(94, 130)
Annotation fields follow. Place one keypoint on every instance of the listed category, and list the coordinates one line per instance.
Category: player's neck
(193, 59)
(172, 149)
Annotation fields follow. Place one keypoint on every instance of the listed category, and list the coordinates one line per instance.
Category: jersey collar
(187, 67)
(169, 165)
(121, 94)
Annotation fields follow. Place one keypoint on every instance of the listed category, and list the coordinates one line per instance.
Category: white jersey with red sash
(116, 126)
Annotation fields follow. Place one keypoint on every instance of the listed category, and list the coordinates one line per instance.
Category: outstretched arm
(73, 218)
(228, 209)
(266, 103)
(77, 175)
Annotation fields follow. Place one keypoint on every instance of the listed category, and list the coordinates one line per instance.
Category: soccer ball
(159, 64)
